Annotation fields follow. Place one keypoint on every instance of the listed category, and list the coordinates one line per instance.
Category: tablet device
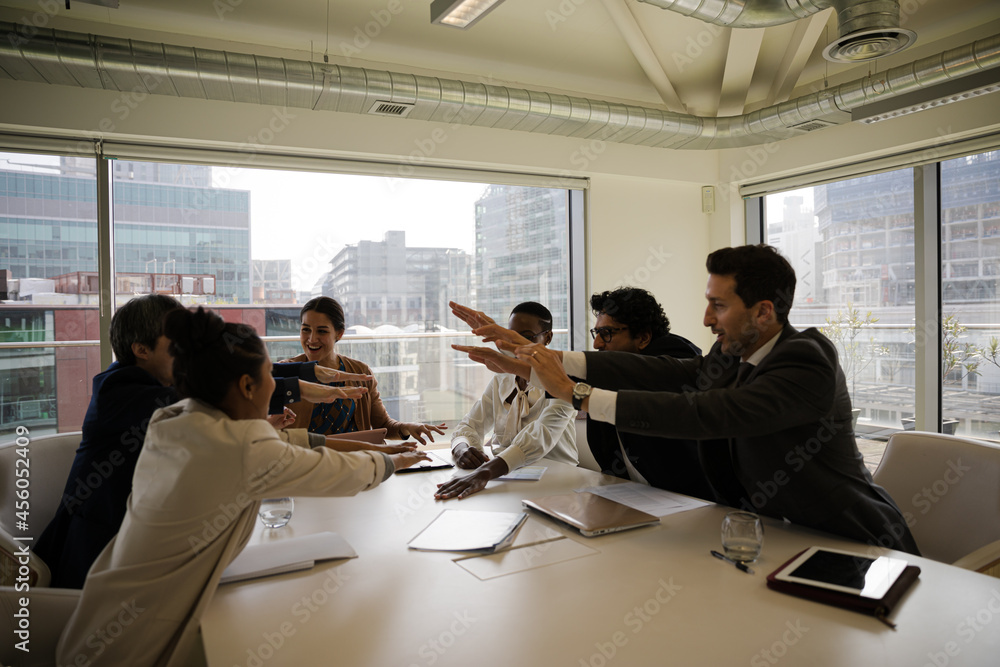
(591, 514)
(844, 571)
(437, 462)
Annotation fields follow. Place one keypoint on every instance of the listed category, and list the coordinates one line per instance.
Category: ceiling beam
(808, 32)
(635, 39)
(741, 61)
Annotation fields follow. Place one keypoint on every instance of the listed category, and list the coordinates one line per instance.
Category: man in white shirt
(526, 424)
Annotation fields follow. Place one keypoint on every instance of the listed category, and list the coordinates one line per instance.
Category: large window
(853, 245)
(255, 244)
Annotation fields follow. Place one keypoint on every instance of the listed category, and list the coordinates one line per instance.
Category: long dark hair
(327, 306)
(210, 354)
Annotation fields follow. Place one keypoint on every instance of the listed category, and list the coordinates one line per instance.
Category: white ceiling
(591, 48)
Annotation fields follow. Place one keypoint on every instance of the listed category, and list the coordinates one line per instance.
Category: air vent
(811, 125)
(866, 45)
(399, 109)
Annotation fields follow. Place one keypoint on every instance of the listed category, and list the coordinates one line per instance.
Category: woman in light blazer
(206, 463)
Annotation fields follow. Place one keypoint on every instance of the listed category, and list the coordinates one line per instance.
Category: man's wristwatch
(581, 390)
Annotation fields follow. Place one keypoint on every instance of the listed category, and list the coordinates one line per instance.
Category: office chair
(51, 457)
(949, 491)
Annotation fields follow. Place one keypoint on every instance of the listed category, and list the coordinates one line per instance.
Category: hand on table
(400, 448)
(327, 375)
(321, 393)
(407, 459)
(468, 457)
(418, 431)
(464, 485)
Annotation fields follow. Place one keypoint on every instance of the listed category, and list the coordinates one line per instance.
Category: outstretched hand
(474, 318)
(327, 375)
(321, 393)
(407, 459)
(282, 420)
(493, 360)
(419, 431)
(548, 367)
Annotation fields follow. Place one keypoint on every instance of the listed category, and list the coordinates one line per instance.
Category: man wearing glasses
(526, 425)
(630, 319)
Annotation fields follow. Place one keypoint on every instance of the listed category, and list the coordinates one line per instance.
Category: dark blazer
(100, 480)
(664, 463)
(782, 444)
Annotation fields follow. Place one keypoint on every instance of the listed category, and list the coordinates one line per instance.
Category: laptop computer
(591, 514)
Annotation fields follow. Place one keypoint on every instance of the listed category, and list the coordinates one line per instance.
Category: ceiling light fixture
(965, 88)
(460, 13)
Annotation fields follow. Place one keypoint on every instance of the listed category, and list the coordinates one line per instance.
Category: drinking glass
(275, 512)
(742, 536)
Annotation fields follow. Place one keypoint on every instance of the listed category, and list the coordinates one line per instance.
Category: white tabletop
(648, 596)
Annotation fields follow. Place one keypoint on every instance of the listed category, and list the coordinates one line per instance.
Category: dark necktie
(746, 368)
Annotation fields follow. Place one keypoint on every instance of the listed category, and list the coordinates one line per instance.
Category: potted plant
(857, 352)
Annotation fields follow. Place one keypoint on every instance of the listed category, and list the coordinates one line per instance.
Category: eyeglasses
(531, 335)
(606, 333)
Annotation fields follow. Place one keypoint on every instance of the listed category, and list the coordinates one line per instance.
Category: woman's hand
(474, 318)
(492, 333)
(401, 448)
(321, 393)
(328, 375)
(284, 420)
(418, 431)
(407, 459)
(468, 457)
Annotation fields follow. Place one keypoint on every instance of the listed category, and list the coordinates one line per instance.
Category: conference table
(648, 596)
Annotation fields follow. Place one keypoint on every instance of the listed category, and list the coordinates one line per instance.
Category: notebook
(460, 530)
(591, 514)
(288, 555)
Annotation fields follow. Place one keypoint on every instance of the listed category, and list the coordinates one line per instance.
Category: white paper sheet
(647, 498)
(525, 474)
(295, 553)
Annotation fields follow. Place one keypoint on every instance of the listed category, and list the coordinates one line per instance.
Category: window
(852, 243)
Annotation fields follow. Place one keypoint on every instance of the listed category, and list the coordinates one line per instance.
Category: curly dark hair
(634, 307)
(761, 274)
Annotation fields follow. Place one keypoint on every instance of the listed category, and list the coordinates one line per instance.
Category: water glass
(742, 536)
(276, 512)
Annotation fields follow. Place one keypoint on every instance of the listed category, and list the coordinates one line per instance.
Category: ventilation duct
(76, 59)
(867, 29)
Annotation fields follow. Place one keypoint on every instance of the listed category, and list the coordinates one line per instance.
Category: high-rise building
(796, 236)
(272, 281)
(169, 221)
(522, 250)
(386, 282)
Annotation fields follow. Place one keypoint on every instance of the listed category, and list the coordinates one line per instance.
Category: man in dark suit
(630, 319)
(769, 404)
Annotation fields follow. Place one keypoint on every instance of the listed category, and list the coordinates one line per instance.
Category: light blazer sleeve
(274, 468)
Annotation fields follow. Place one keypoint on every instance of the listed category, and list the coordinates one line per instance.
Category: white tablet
(844, 571)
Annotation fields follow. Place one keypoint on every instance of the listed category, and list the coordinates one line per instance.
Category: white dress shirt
(542, 428)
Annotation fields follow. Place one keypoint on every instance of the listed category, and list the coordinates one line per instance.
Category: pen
(739, 565)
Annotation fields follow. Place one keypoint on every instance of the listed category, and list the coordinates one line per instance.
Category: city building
(272, 281)
(387, 283)
(522, 251)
